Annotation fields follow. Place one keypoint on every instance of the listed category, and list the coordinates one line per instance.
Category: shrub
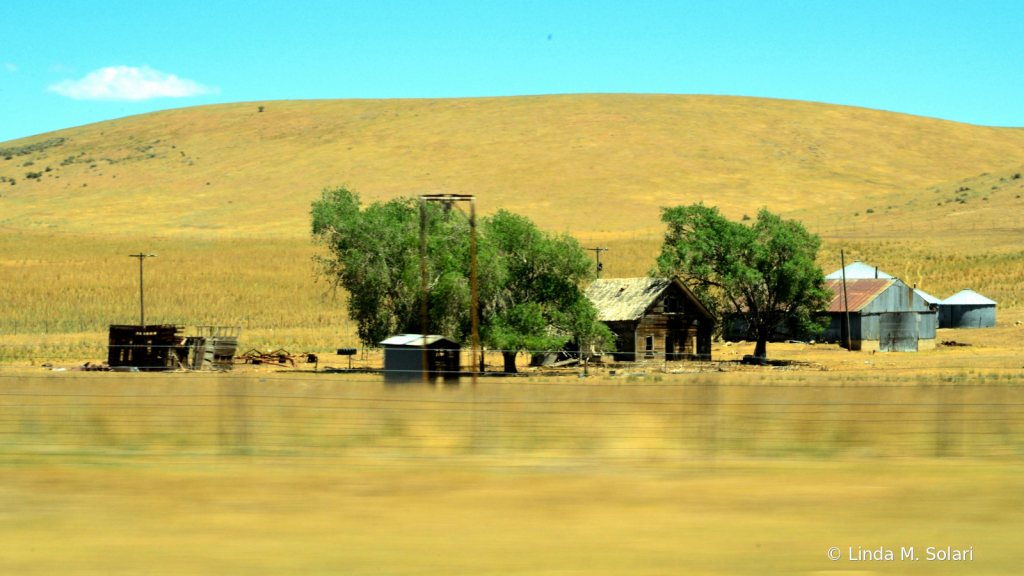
(261, 108)
(745, 217)
(856, 213)
(870, 210)
(9, 153)
(1015, 176)
(48, 169)
(29, 163)
(36, 175)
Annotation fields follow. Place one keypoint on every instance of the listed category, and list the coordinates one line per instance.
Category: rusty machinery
(279, 357)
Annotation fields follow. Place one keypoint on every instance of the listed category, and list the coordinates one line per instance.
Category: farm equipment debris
(279, 357)
(955, 343)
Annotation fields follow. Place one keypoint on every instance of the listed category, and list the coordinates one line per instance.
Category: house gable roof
(627, 299)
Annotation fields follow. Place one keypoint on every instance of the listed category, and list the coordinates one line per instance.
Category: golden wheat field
(657, 468)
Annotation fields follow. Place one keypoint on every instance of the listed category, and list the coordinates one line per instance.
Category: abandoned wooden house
(653, 318)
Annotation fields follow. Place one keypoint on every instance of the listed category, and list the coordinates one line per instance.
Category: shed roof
(860, 292)
(857, 271)
(968, 297)
(626, 299)
(927, 297)
(416, 340)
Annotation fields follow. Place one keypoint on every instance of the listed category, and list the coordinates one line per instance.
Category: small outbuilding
(885, 315)
(967, 309)
(162, 346)
(151, 347)
(656, 318)
(403, 358)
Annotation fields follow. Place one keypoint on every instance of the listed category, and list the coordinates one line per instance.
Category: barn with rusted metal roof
(885, 314)
(656, 318)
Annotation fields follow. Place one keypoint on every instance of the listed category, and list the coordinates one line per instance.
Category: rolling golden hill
(597, 165)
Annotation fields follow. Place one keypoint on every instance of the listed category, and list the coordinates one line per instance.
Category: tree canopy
(530, 282)
(763, 273)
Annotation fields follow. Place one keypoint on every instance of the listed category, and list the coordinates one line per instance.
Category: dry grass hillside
(592, 164)
(222, 194)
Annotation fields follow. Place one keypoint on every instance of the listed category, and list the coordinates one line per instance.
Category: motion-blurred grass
(282, 473)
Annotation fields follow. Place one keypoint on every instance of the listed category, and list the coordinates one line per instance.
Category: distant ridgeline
(8, 153)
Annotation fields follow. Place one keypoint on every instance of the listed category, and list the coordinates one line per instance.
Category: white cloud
(10, 67)
(127, 83)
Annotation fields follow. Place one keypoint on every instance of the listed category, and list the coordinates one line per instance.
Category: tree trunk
(510, 361)
(483, 367)
(761, 350)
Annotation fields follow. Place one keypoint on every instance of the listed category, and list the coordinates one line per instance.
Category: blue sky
(65, 64)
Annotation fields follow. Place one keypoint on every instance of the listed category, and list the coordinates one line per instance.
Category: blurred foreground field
(325, 474)
(256, 516)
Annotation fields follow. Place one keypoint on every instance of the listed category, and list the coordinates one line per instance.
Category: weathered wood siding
(678, 331)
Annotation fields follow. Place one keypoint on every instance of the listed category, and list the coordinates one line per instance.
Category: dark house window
(671, 305)
(649, 346)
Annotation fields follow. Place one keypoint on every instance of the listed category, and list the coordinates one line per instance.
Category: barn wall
(927, 323)
(836, 331)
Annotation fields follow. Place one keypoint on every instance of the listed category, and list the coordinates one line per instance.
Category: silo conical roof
(857, 271)
(968, 297)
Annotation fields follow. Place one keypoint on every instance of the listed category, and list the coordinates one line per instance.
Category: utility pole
(846, 300)
(597, 252)
(449, 200)
(142, 302)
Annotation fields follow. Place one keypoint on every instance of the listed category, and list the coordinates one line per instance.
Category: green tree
(538, 303)
(529, 282)
(373, 254)
(763, 273)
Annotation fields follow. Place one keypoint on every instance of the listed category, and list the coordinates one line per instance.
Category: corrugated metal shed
(857, 271)
(968, 297)
(624, 299)
(403, 358)
(927, 297)
(860, 293)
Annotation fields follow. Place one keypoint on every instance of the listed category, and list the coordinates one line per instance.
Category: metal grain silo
(967, 309)
(858, 271)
